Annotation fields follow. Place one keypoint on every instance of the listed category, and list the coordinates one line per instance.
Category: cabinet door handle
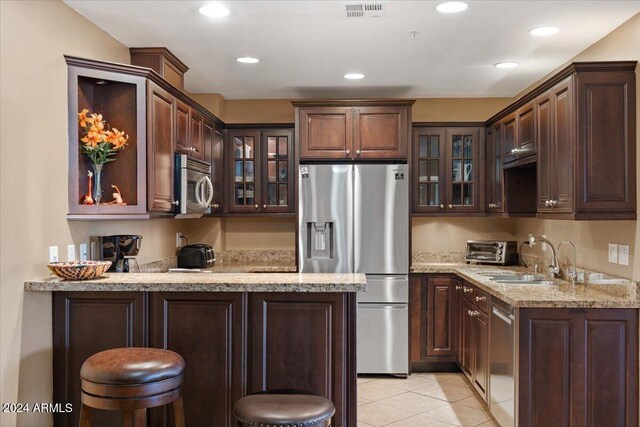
(441, 206)
(547, 203)
(458, 287)
(176, 203)
(450, 206)
(256, 206)
(348, 151)
(264, 206)
(478, 299)
(215, 206)
(465, 289)
(358, 152)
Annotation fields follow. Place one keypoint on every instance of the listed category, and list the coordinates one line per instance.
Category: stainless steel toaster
(492, 252)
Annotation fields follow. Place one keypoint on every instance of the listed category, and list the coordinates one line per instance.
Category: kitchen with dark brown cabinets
(319, 213)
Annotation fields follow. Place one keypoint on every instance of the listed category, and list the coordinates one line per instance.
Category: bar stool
(284, 410)
(131, 380)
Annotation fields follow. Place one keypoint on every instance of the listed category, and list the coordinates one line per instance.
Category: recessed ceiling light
(214, 10)
(354, 76)
(506, 64)
(452, 7)
(248, 60)
(544, 31)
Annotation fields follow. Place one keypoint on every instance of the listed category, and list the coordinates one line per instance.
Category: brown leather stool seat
(132, 380)
(284, 410)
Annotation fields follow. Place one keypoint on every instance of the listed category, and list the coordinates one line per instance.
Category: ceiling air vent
(366, 10)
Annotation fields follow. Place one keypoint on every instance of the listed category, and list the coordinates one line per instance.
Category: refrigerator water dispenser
(320, 240)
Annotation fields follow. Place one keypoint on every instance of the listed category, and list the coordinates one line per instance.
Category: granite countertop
(254, 267)
(208, 282)
(558, 294)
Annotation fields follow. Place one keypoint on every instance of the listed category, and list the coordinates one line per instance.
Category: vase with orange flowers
(100, 143)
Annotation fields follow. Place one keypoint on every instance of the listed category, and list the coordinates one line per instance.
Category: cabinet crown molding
(353, 102)
(573, 68)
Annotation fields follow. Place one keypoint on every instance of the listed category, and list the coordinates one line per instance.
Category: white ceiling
(306, 47)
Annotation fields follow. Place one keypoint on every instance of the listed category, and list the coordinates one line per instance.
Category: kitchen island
(239, 333)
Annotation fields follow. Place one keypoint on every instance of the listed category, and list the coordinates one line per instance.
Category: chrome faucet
(554, 268)
(573, 274)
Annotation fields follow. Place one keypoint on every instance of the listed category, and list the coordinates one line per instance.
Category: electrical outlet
(613, 253)
(71, 253)
(623, 254)
(178, 239)
(83, 252)
(53, 254)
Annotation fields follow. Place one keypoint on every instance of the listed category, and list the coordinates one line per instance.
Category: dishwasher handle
(508, 318)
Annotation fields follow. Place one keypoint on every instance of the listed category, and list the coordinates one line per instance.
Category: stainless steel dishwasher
(502, 368)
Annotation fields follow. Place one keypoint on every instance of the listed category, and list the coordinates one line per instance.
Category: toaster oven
(492, 252)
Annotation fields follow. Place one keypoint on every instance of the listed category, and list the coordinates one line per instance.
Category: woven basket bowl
(79, 270)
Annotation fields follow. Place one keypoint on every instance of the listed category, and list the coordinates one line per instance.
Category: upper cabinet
(137, 180)
(581, 125)
(353, 130)
(260, 169)
(448, 170)
(162, 61)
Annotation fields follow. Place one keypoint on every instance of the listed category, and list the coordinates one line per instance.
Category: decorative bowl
(79, 270)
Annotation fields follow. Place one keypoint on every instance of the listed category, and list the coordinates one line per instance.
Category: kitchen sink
(525, 279)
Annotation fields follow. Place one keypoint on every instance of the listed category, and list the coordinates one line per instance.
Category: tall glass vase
(97, 182)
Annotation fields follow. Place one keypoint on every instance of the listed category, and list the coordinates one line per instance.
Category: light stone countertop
(560, 294)
(208, 282)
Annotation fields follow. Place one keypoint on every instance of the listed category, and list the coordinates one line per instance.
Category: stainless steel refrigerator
(355, 218)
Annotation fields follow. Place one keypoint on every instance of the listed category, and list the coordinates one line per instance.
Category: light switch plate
(71, 253)
(613, 253)
(623, 254)
(53, 254)
(83, 252)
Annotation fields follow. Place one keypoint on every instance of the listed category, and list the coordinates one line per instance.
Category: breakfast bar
(239, 333)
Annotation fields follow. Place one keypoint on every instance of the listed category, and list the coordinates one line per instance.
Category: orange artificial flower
(83, 119)
(94, 137)
(96, 120)
(116, 138)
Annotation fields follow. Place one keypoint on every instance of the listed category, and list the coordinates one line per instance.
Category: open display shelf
(121, 99)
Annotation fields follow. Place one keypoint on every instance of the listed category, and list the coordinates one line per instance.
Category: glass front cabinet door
(428, 166)
(260, 177)
(244, 169)
(446, 174)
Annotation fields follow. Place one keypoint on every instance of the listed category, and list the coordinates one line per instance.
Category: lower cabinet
(578, 367)
(207, 330)
(575, 367)
(232, 343)
(85, 323)
(310, 355)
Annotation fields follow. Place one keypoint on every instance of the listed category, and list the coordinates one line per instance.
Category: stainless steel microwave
(492, 252)
(193, 187)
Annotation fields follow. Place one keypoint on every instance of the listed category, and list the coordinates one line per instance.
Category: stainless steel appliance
(355, 218)
(503, 366)
(119, 249)
(492, 252)
(193, 187)
(196, 256)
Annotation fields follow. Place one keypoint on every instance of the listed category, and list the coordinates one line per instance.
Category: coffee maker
(119, 249)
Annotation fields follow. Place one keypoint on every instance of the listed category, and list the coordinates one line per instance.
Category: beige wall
(592, 237)
(33, 87)
(263, 233)
(451, 234)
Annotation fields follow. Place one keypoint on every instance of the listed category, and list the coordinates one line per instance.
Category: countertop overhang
(560, 294)
(207, 282)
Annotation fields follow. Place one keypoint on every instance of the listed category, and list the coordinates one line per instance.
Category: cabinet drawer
(467, 292)
(481, 299)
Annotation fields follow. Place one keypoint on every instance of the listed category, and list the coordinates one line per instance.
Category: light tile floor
(422, 400)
